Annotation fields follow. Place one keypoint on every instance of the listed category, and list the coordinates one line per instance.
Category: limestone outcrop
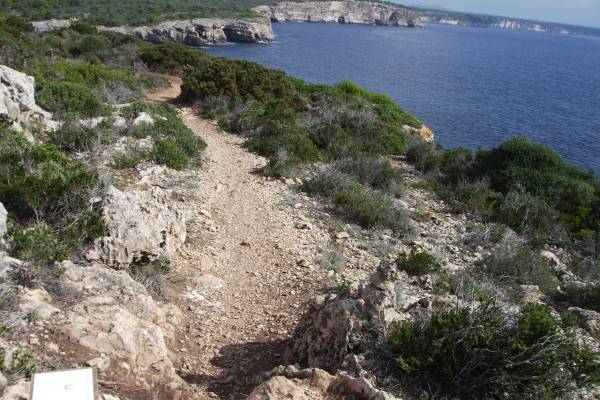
(17, 102)
(345, 12)
(143, 226)
(202, 31)
(315, 384)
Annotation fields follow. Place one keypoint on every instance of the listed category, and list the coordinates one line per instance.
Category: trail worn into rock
(247, 266)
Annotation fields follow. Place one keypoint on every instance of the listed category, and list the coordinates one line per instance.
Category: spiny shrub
(482, 353)
(368, 207)
(516, 264)
(130, 160)
(418, 262)
(65, 97)
(377, 173)
(72, 136)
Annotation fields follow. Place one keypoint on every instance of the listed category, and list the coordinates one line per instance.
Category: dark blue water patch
(474, 87)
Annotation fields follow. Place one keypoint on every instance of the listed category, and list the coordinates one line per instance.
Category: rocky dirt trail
(246, 268)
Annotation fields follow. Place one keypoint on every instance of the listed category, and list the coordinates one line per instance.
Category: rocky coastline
(343, 12)
(192, 32)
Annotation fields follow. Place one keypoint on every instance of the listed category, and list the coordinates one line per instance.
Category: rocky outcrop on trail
(143, 226)
(202, 31)
(17, 102)
(50, 25)
(344, 12)
(315, 384)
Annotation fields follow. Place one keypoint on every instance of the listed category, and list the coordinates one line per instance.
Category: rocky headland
(192, 32)
(343, 12)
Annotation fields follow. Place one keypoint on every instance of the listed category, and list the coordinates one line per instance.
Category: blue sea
(474, 87)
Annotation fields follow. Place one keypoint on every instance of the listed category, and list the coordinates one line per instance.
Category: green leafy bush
(173, 57)
(130, 160)
(167, 152)
(39, 183)
(65, 97)
(418, 262)
(37, 244)
(481, 353)
(377, 173)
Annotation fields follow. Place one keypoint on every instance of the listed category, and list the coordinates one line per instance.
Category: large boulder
(334, 327)
(143, 226)
(17, 102)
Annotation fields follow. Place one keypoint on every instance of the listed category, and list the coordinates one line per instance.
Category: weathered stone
(19, 391)
(3, 382)
(17, 102)
(423, 132)
(142, 225)
(591, 319)
(143, 118)
(38, 301)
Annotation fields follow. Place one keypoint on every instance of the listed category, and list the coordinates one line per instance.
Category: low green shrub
(40, 184)
(482, 353)
(173, 57)
(37, 244)
(377, 173)
(517, 264)
(418, 262)
(65, 97)
(23, 362)
(167, 152)
(72, 136)
(129, 160)
(368, 207)
(584, 296)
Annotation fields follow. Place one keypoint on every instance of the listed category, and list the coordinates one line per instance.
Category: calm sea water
(474, 87)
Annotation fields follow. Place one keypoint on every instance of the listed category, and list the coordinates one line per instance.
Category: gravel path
(247, 266)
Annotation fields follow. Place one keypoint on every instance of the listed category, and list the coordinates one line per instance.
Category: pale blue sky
(578, 12)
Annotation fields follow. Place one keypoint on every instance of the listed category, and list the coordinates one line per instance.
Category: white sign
(76, 384)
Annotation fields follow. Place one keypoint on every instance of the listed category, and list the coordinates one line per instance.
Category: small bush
(377, 173)
(173, 57)
(64, 97)
(152, 275)
(168, 152)
(72, 136)
(584, 296)
(482, 353)
(513, 263)
(426, 156)
(129, 160)
(333, 259)
(37, 244)
(23, 362)
(418, 262)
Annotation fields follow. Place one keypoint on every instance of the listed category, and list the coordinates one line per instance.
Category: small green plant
(23, 362)
(152, 275)
(584, 296)
(167, 152)
(37, 244)
(129, 160)
(418, 262)
(333, 259)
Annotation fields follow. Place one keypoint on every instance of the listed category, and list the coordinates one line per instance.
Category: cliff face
(202, 31)
(193, 32)
(349, 12)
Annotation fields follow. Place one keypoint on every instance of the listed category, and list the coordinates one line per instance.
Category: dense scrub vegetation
(485, 353)
(133, 12)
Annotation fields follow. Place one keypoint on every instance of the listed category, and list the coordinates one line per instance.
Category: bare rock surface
(143, 225)
(202, 31)
(348, 11)
(17, 102)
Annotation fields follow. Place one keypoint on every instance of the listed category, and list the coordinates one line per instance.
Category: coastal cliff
(193, 32)
(202, 31)
(348, 12)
